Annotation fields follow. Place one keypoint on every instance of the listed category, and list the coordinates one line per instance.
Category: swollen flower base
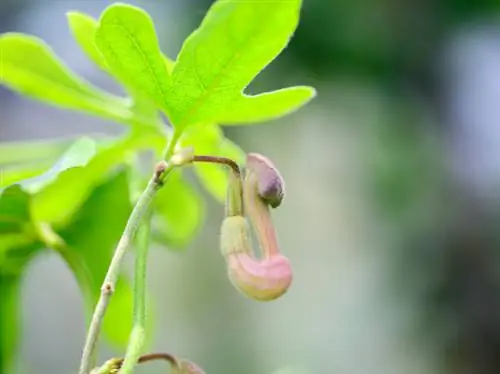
(269, 277)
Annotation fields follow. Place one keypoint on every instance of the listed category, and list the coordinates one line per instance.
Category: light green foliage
(127, 39)
(266, 106)
(179, 218)
(30, 67)
(236, 40)
(84, 27)
(75, 197)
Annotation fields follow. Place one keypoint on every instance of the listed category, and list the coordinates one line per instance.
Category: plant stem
(176, 135)
(109, 283)
(136, 340)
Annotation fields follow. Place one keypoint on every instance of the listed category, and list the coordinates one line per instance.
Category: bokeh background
(392, 215)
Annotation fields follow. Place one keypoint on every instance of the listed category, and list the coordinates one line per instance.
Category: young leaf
(266, 106)
(209, 140)
(126, 37)
(30, 67)
(57, 201)
(78, 154)
(179, 212)
(91, 238)
(84, 29)
(236, 40)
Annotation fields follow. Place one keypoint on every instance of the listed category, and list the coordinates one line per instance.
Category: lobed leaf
(30, 67)
(56, 194)
(78, 154)
(126, 37)
(236, 40)
(84, 29)
(59, 200)
(266, 106)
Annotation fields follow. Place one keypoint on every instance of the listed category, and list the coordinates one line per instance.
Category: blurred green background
(392, 214)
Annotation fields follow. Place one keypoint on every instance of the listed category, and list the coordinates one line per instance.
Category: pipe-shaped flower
(269, 277)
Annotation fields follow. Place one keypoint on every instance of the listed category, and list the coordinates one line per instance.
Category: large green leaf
(236, 40)
(209, 140)
(179, 212)
(78, 154)
(126, 37)
(30, 67)
(59, 200)
(91, 238)
(55, 195)
(19, 226)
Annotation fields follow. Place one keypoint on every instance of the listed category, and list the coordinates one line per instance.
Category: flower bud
(182, 156)
(269, 182)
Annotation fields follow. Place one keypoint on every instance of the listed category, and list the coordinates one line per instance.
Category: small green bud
(183, 156)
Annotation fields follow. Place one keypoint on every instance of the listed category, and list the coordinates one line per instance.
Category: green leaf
(18, 236)
(266, 106)
(14, 174)
(84, 29)
(236, 40)
(57, 194)
(59, 200)
(16, 152)
(30, 67)
(91, 238)
(79, 154)
(9, 320)
(126, 37)
(209, 140)
(14, 209)
(179, 212)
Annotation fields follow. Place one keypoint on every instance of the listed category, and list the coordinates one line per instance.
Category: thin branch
(219, 160)
(109, 283)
